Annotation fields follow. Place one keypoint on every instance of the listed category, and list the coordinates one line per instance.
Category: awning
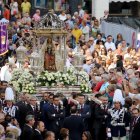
(123, 0)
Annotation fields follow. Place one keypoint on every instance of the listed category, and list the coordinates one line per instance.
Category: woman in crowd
(85, 30)
(64, 134)
(86, 136)
(95, 28)
(14, 7)
(36, 16)
(119, 40)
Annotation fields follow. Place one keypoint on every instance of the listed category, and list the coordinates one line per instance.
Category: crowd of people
(112, 111)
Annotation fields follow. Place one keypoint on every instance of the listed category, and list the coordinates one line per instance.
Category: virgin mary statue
(48, 52)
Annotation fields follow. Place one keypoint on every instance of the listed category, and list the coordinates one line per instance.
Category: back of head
(64, 133)
(73, 110)
(48, 135)
(10, 136)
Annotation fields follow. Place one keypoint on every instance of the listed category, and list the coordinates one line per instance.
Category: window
(41, 3)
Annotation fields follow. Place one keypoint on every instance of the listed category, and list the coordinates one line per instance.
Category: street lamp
(35, 61)
(21, 53)
(78, 62)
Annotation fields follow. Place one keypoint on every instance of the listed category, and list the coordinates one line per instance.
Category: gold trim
(3, 53)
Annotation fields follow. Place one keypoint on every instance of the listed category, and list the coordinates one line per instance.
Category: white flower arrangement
(85, 88)
(47, 79)
(67, 79)
(22, 81)
(84, 77)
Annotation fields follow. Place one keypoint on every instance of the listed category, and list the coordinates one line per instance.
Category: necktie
(56, 108)
(33, 108)
(82, 107)
(135, 121)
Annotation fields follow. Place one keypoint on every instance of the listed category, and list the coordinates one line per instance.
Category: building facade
(116, 8)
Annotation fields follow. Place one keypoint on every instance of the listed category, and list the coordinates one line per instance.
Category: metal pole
(65, 53)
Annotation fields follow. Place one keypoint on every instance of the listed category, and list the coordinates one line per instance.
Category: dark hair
(98, 95)
(93, 18)
(109, 50)
(119, 57)
(8, 118)
(81, 95)
(73, 110)
(55, 96)
(7, 6)
(63, 133)
(135, 66)
(99, 34)
(74, 95)
(120, 36)
(98, 42)
(88, 135)
(104, 51)
(51, 94)
(93, 53)
(109, 36)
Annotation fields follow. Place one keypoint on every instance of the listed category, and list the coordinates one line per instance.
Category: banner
(3, 39)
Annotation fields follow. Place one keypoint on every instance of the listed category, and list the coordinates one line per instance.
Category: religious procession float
(48, 71)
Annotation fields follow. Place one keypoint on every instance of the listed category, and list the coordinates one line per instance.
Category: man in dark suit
(45, 109)
(135, 124)
(100, 119)
(39, 128)
(74, 123)
(84, 110)
(44, 100)
(27, 133)
(32, 108)
(92, 104)
(22, 105)
(55, 115)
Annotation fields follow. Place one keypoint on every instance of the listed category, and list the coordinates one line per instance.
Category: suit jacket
(37, 135)
(35, 112)
(42, 103)
(45, 115)
(22, 113)
(136, 130)
(85, 114)
(99, 117)
(55, 118)
(27, 133)
(75, 125)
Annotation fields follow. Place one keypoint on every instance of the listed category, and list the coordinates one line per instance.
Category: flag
(3, 39)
